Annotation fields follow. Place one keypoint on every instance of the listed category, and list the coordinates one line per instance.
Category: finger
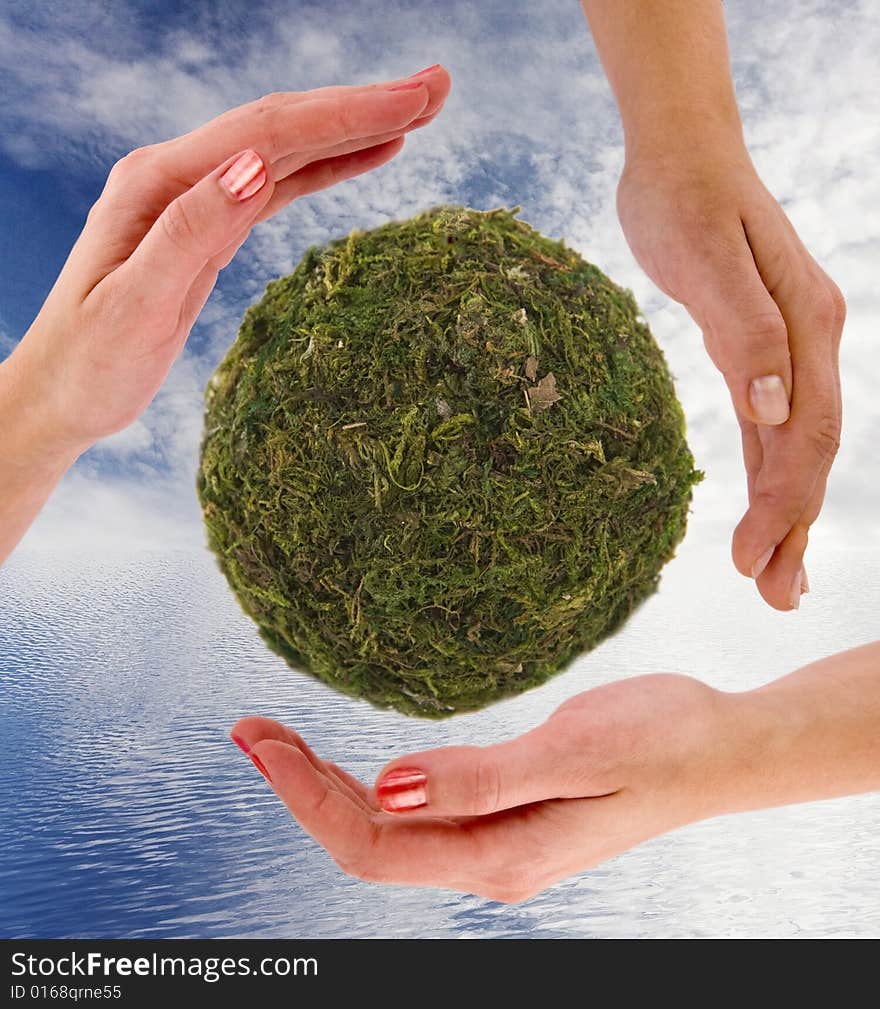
(321, 176)
(326, 813)
(797, 455)
(475, 781)
(753, 453)
(436, 78)
(744, 330)
(488, 856)
(294, 162)
(278, 126)
(364, 793)
(778, 586)
(146, 180)
(247, 732)
(506, 856)
(318, 175)
(191, 231)
(325, 173)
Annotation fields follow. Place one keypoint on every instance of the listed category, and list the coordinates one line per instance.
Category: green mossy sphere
(442, 459)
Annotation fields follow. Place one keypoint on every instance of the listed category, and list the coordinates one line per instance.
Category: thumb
(476, 780)
(745, 334)
(197, 226)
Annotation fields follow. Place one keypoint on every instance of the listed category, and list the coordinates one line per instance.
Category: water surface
(130, 814)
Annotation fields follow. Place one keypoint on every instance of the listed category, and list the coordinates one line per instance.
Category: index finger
(504, 856)
(283, 123)
(364, 844)
(796, 455)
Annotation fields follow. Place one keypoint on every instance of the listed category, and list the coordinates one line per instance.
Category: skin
(614, 766)
(609, 769)
(706, 230)
(148, 257)
(637, 758)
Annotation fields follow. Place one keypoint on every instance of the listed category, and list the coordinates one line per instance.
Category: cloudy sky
(530, 122)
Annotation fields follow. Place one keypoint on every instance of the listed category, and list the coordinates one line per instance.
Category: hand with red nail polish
(171, 216)
(703, 226)
(611, 768)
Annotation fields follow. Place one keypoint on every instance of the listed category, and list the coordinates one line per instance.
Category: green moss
(442, 459)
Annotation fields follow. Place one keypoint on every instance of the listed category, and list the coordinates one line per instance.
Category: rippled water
(129, 813)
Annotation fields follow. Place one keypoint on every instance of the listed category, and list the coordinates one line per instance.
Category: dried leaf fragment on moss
(543, 395)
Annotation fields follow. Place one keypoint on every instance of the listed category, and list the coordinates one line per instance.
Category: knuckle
(132, 163)
(824, 310)
(782, 500)
(343, 120)
(765, 330)
(754, 335)
(268, 107)
(839, 303)
(511, 886)
(94, 210)
(824, 436)
(361, 866)
(363, 861)
(486, 784)
(515, 877)
(179, 227)
(269, 102)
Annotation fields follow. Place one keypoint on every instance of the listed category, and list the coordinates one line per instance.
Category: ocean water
(129, 813)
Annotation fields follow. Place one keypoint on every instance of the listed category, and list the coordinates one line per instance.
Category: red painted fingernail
(260, 766)
(245, 176)
(427, 70)
(240, 743)
(402, 789)
(407, 86)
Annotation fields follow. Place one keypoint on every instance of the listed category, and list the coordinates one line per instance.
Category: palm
(505, 821)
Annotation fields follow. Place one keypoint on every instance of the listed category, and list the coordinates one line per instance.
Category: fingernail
(402, 789)
(805, 582)
(407, 86)
(796, 591)
(769, 399)
(260, 766)
(427, 70)
(240, 743)
(761, 563)
(245, 176)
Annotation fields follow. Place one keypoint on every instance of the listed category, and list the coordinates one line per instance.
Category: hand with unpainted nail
(707, 231)
(611, 768)
(171, 216)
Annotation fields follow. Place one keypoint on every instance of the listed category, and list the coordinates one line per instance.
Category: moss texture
(442, 459)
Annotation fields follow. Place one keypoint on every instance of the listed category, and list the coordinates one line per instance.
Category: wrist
(32, 441)
(756, 740)
(679, 132)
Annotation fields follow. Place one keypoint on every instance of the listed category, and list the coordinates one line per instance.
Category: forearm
(814, 734)
(32, 459)
(668, 65)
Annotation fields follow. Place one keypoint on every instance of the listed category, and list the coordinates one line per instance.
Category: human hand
(165, 225)
(609, 769)
(709, 234)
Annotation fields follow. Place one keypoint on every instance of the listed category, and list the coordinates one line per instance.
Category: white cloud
(530, 120)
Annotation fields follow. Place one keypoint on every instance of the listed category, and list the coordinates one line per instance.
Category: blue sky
(530, 121)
